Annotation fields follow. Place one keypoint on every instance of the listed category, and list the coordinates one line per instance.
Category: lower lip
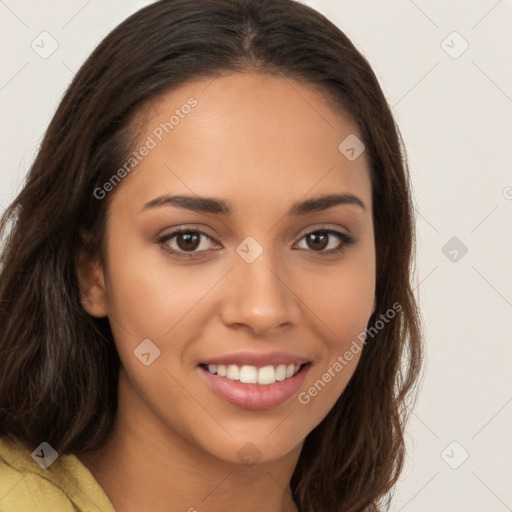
(254, 396)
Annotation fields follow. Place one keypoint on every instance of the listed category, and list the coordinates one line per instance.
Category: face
(234, 334)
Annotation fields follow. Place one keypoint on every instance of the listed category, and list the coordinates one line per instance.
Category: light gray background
(455, 114)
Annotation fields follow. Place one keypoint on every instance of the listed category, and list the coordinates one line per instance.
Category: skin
(260, 142)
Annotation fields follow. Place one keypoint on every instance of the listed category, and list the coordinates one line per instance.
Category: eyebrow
(221, 207)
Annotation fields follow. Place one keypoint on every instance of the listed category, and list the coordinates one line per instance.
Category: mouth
(247, 374)
(254, 387)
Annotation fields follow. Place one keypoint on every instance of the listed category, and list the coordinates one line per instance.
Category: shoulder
(64, 484)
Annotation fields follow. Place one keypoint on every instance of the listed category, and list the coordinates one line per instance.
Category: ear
(91, 281)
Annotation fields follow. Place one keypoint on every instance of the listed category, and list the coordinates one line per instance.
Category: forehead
(246, 137)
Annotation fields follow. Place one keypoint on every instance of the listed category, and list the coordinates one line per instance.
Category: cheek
(342, 298)
(340, 306)
(349, 307)
(148, 292)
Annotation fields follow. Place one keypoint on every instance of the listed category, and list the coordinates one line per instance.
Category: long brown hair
(59, 366)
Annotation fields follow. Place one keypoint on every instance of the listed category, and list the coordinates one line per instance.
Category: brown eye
(318, 240)
(327, 242)
(188, 241)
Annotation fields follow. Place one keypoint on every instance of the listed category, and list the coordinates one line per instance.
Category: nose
(260, 298)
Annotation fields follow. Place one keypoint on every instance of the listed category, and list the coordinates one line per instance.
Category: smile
(252, 375)
(254, 388)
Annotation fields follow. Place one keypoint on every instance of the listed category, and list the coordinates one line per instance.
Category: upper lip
(257, 359)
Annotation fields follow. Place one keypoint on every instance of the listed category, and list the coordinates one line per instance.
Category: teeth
(281, 372)
(252, 375)
(233, 372)
(266, 375)
(248, 374)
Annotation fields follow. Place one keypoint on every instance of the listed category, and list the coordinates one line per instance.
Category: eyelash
(347, 240)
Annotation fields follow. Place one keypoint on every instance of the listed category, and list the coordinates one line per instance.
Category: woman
(205, 293)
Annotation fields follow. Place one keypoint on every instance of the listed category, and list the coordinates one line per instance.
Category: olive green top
(42, 481)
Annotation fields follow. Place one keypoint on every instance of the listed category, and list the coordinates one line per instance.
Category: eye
(327, 241)
(186, 241)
